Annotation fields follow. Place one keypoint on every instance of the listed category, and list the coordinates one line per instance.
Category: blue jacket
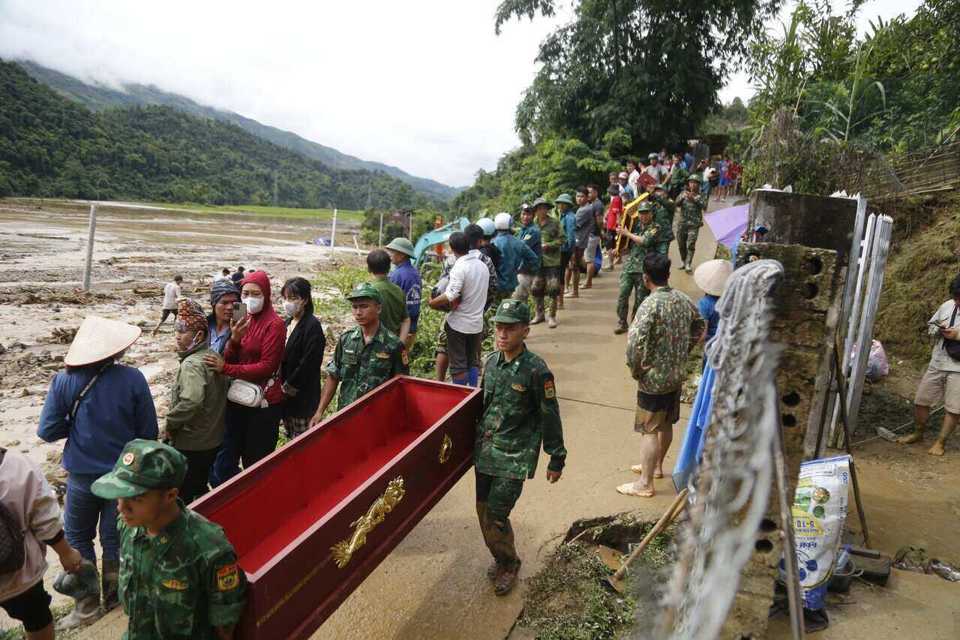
(514, 255)
(708, 310)
(117, 409)
(569, 222)
(530, 235)
(407, 278)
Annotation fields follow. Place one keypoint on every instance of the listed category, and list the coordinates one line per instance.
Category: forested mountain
(98, 98)
(52, 146)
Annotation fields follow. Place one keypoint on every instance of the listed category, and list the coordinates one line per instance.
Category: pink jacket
(25, 493)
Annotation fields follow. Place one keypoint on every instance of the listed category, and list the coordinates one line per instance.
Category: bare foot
(936, 449)
(634, 489)
(910, 438)
(638, 469)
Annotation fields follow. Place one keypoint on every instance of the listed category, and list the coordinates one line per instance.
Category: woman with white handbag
(252, 359)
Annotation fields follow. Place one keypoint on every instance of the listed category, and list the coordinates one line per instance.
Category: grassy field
(275, 212)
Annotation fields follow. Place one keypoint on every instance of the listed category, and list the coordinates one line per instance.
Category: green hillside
(51, 146)
(99, 97)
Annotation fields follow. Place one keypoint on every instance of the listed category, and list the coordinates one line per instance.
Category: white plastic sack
(877, 364)
(819, 513)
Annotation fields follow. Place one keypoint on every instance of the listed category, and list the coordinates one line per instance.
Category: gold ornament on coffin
(445, 448)
(344, 550)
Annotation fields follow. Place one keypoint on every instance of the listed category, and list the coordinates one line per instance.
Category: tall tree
(653, 68)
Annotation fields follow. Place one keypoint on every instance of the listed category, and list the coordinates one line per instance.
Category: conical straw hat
(98, 339)
(712, 275)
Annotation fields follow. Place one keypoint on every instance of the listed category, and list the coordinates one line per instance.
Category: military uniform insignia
(404, 357)
(549, 391)
(175, 585)
(383, 355)
(228, 577)
(128, 458)
(516, 386)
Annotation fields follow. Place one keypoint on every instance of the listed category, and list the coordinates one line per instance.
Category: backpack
(12, 550)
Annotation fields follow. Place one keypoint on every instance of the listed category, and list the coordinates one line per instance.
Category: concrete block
(802, 219)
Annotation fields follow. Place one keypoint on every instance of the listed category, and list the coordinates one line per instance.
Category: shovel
(616, 580)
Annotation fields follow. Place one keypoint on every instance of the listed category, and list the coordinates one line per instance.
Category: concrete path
(434, 585)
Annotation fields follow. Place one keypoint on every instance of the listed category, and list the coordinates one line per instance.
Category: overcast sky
(424, 85)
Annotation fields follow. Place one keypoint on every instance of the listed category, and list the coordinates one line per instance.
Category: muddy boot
(621, 328)
(538, 316)
(109, 580)
(506, 579)
(551, 321)
(84, 588)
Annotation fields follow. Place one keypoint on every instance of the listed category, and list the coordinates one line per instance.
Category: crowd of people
(246, 370)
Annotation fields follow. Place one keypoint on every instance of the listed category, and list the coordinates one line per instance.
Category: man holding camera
(941, 381)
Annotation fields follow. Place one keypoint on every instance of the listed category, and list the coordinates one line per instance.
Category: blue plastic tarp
(435, 237)
(692, 448)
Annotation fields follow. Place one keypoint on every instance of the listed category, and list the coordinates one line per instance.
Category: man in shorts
(941, 381)
(171, 293)
(661, 336)
(585, 229)
(464, 298)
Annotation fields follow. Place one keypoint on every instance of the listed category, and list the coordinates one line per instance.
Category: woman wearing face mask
(223, 294)
(302, 358)
(198, 399)
(253, 354)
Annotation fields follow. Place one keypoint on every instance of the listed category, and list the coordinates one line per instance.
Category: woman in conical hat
(97, 405)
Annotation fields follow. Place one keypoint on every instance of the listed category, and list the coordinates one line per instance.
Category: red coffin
(313, 519)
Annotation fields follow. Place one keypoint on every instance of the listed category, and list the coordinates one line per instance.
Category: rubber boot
(109, 581)
(538, 316)
(552, 320)
(84, 588)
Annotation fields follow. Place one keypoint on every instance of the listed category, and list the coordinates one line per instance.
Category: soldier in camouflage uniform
(366, 356)
(663, 210)
(692, 205)
(644, 238)
(547, 281)
(178, 573)
(520, 410)
(665, 329)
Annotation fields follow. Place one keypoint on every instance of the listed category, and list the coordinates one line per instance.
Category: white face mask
(290, 307)
(254, 305)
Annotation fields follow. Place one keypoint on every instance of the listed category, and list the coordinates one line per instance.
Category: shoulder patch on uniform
(228, 577)
(404, 356)
(549, 390)
(175, 585)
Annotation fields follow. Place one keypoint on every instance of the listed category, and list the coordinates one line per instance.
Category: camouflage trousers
(496, 498)
(687, 240)
(630, 283)
(546, 284)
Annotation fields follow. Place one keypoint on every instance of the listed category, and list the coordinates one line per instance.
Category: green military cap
(512, 311)
(365, 290)
(693, 177)
(143, 465)
(401, 245)
(646, 205)
(541, 202)
(565, 199)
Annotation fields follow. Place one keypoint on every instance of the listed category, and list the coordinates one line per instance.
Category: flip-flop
(638, 469)
(629, 490)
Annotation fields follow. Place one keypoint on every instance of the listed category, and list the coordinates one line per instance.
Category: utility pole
(380, 240)
(275, 199)
(333, 230)
(91, 231)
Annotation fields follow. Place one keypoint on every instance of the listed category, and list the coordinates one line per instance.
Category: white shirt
(633, 180)
(469, 279)
(171, 291)
(940, 360)
(657, 172)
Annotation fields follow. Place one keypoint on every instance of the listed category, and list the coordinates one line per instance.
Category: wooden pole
(91, 232)
(380, 240)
